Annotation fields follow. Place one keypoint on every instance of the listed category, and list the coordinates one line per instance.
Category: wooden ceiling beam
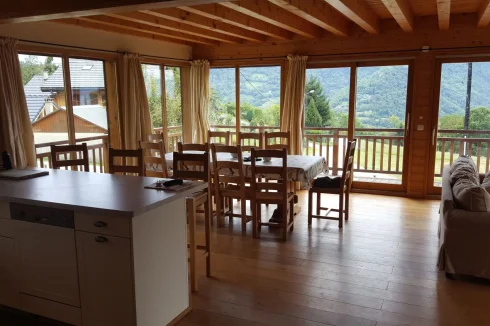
(184, 17)
(141, 28)
(118, 30)
(28, 11)
(318, 13)
(141, 18)
(275, 15)
(443, 13)
(232, 17)
(484, 14)
(359, 12)
(402, 12)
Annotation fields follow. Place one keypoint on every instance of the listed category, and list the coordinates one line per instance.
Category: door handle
(433, 136)
(100, 224)
(407, 129)
(101, 239)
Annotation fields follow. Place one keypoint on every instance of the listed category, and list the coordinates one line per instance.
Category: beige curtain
(293, 108)
(136, 112)
(16, 133)
(199, 100)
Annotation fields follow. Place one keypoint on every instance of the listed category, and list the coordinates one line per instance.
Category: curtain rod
(98, 50)
(362, 53)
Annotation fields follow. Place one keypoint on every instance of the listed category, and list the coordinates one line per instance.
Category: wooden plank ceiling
(234, 22)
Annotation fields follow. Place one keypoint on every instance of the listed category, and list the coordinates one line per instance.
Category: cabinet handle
(100, 224)
(101, 239)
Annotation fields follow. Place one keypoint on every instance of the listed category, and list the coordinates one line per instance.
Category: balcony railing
(173, 138)
(97, 151)
(451, 144)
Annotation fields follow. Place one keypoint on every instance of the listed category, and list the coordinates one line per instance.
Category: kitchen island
(94, 249)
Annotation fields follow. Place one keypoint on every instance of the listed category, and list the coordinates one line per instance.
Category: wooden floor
(379, 270)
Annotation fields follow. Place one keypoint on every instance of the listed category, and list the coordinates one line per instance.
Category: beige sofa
(464, 245)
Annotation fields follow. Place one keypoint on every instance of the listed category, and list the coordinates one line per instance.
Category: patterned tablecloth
(300, 168)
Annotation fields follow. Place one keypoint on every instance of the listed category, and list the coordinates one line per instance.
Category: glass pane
(222, 99)
(260, 98)
(153, 83)
(381, 104)
(464, 116)
(327, 114)
(173, 97)
(44, 89)
(90, 107)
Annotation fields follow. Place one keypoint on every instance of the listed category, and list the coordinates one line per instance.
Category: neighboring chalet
(45, 96)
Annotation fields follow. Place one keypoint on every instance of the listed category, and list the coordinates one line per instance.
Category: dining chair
(219, 137)
(249, 140)
(156, 137)
(343, 189)
(154, 161)
(125, 155)
(275, 193)
(199, 172)
(277, 140)
(229, 181)
(70, 153)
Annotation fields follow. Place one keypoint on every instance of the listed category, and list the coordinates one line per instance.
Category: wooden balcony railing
(452, 143)
(98, 148)
(173, 138)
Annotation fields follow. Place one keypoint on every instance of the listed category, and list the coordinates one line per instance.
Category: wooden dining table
(301, 168)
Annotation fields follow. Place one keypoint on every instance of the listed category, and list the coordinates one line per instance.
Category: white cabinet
(106, 279)
(9, 293)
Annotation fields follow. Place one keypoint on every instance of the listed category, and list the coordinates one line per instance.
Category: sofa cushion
(470, 196)
(464, 168)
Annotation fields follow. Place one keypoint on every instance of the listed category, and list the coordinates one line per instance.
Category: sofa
(464, 230)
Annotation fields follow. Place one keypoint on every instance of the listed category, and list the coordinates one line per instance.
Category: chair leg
(243, 203)
(219, 211)
(347, 197)
(341, 210)
(191, 213)
(310, 207)
(259, 218)
(318, 202)
(207, 227)
(285, 220)
(253, 205)
(291, 213)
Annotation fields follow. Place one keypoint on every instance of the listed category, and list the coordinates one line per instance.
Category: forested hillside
(381, 93)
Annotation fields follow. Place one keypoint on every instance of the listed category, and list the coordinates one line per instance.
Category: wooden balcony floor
(379, 270)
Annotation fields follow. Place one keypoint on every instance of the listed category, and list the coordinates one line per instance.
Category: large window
(260, 97)
(49, 110)
(168, 120)
(222, 98)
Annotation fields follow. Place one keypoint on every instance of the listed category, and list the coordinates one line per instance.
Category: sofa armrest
(465, 220)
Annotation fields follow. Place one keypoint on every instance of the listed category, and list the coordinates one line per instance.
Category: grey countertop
(89, 192)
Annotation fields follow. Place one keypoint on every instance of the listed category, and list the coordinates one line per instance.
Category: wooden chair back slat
(192, 147)
(219, 137)
(348, 163)
(72, 150)
(154, 154)
(277, 140)
(191, 166)
(249, 140)
(124, 155)
(235, 167)
(156, 137)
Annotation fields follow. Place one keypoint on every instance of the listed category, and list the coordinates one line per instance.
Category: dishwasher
(47, 253)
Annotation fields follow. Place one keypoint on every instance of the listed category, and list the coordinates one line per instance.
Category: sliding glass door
(463, 120)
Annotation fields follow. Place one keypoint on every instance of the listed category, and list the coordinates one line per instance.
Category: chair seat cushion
(327, 182)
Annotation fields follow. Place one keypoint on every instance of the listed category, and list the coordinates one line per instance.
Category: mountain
(381, 91)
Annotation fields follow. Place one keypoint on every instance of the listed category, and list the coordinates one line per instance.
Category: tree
(49, 66)
(451, 121)
(30, 67)
(173, 96)
(314, 91)
(313, 117)
(480, 118)
(154, 102)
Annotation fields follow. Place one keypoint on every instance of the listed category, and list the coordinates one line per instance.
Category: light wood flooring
(379, 270)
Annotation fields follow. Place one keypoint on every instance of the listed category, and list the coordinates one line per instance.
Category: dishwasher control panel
(43, 215)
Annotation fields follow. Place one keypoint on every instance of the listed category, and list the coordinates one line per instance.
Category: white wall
(62, 34)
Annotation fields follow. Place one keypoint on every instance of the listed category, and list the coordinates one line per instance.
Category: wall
(62, 34)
